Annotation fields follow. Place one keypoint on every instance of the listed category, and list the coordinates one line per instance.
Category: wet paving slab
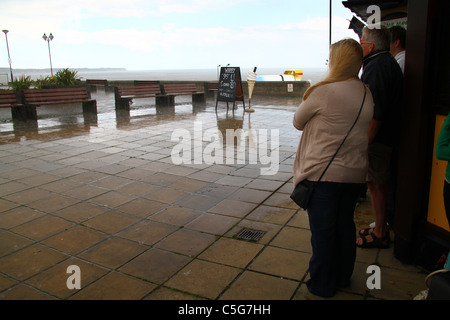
(151, 204)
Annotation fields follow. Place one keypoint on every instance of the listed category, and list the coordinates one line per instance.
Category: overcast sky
(170, 34)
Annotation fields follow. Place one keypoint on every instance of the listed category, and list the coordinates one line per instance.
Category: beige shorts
(379, 162)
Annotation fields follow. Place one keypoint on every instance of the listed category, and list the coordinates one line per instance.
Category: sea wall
(278, 88)
(294, 89)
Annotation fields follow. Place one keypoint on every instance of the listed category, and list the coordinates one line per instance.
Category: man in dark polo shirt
(382, 74)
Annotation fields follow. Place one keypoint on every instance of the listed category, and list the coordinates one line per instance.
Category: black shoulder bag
(304, 190)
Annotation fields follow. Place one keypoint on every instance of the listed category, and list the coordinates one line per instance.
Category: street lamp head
(49, 38)
(5, 31)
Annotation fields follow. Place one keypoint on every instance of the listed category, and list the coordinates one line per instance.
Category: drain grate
(248, 234)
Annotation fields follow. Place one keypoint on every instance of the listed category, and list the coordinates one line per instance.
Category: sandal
(380, 243)
(365, 232)
(369, 231)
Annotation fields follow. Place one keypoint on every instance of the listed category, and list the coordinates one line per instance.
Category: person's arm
(443, 142)
(306, 110)
(374, 126)
(375, 80)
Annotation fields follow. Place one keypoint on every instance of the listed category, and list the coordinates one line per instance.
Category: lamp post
(329, 35)
(9, 57)
(48, 39)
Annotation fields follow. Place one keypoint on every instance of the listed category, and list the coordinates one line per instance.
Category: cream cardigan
(325, 118)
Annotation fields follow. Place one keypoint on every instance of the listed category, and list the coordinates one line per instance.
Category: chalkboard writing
(230, 85)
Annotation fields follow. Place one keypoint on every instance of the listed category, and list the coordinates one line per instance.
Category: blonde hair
(346, 57)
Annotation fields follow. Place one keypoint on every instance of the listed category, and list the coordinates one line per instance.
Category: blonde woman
(325, 116)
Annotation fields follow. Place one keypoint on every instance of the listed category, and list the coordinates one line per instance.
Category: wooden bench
(33, 98)
(96, 83)
(124, 95)
(211, 89)
(212, 86)
(170, 90)
(145, 82)
(8, 99)
(93, 85)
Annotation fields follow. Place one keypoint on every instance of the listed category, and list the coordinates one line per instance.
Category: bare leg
(378, 193)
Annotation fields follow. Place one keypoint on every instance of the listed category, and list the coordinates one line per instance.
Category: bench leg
(90, 107)
(165, 101)
(24, 113)
(122, 117)
(161, 110)
(211, 94)
(198, 98)
(24, 118)
(123, 104)
(25, 126)
(90, 112)
(18, 114)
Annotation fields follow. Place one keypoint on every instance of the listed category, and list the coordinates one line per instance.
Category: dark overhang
(390, 9)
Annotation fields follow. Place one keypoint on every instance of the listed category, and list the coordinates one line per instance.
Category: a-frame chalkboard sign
(230, 86)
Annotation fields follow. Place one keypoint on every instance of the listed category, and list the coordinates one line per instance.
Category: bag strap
(354, 123)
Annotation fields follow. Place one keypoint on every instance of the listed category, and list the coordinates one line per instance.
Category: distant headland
(35, 70)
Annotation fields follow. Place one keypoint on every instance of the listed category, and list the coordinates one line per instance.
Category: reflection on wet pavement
(67, 120)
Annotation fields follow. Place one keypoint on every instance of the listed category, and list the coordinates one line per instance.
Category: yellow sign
(436, 209)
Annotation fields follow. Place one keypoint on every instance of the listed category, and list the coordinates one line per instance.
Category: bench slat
(55, 95)
(96, 82)
(75, 89)
(146, 82)
(213, 86)
(8, 99)
(48, 103)
(184, 88)
(140, 90)
(63, 95)
(5, 94)
(52, 97)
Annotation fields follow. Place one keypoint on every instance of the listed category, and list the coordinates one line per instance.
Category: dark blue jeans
(447, 199)
(333, 237)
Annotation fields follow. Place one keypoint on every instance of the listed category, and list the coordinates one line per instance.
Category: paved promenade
(108, 198)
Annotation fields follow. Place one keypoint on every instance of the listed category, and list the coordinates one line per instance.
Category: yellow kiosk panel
(436, 209)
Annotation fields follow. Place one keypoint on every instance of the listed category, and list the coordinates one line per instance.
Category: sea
(208, 74)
